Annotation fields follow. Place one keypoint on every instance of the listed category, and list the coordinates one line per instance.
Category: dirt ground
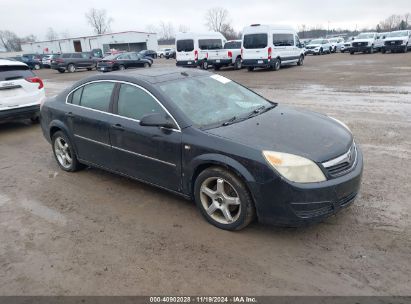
(95, 233)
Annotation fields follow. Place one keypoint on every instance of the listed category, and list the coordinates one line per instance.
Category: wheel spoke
(227, 214)
(213, 207)
(207, 191)
(220, 186)
(230, 200)
(68, 158)
(59, 144)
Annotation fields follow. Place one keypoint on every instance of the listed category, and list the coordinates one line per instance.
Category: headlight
(404, 42)
(294, 168)
(341, 123)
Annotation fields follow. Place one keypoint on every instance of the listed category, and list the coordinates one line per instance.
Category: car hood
(363, 40)
(284, 129)
(396, 39)
(314, 45)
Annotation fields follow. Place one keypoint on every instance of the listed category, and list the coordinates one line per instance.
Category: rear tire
(277, 64)
(204, 65)
(161, 55)
(237, 64)
(64, 153)
(122, 67)
(223, 199)
(37, 67)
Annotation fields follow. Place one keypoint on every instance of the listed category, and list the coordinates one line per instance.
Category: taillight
(195, 55)
(36, 80)
(230, 54)
(269, 53)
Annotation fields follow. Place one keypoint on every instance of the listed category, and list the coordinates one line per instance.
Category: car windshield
(211, 101)
(317, 41)
(231, 45)
(365, 36)
(398, 34)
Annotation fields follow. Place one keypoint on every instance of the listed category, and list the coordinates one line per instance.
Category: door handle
(70, 114)
(118, 127)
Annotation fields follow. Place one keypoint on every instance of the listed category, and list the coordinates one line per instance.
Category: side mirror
(157, 120)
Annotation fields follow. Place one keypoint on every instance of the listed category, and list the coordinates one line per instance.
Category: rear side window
(255, 41)
(8, 72)
(77, 55)
(210, 44)
(76, 96)
(186, 45)
(135, 103)
(96, 96)
(232, 45)
(66, 56)
(283, 39)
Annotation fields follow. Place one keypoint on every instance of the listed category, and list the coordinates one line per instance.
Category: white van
(192, 49)
(269, 46)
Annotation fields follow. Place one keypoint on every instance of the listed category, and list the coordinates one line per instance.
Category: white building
(125, 41)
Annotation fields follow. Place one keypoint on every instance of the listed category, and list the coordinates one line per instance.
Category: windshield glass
(398, 34)
(212, 100)
(365, 36)
(317, 41)
(231, 45)
(255, 41)
(210, 44)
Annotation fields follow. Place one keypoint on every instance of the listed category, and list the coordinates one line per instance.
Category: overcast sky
(34, 17)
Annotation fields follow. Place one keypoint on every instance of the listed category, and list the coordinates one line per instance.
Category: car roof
(150, 75)
(6, 62)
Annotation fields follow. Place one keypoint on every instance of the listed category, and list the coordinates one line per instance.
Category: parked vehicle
(162, 53)
(268, 46)
(46, 61)
(305, 42)
(398, 41)
(122, 61)
(366, 43)
(32, 62)
(193, 48)
(229, 56)
(207, 138)
(336, 44)
(346, 46)
(170, 54)
(148, 53)
(74, 61)
(319, 47)
(21, 91)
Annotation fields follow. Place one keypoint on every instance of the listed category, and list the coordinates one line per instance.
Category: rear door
(15, 90)
(151, 154)
(185, 50)
(255, 46)
(209, 48)
(89, 119)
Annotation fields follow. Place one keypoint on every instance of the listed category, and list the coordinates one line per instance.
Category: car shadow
(16, 125)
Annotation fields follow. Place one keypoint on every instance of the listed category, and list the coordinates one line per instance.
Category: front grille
(359, 44)
(310, 47)
(342, 164)
(388, 43)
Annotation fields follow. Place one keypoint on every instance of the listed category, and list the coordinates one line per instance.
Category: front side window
(97, 96)
(283, 39)
(210, 44)
(186, 45)
(211, 100)
(255, 41)
(135, 103)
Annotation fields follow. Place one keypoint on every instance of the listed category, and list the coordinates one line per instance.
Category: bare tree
(183, 28)
(51, 34)
(151, 28)
(166, 30)
(216, 18)
(10, 41)
(98, 20)
(391, 23)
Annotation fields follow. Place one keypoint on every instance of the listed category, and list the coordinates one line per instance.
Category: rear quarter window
(8, 73)
(66, 56)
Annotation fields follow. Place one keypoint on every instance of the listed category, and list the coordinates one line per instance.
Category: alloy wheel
(63, 153)
(220, 200)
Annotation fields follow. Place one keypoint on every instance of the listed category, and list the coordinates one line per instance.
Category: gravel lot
(95, 233)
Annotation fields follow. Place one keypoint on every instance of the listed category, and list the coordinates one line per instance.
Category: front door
(89, 120)
(151, 154)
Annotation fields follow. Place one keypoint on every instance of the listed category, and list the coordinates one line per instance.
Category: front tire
(64, 153)
(301, 61)
(122, 67)
(223, 199)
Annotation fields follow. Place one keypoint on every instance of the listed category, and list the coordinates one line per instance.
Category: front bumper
(105, 68)
(399, 47)
(191, 63)
(220, 62)
(312, 51)
(256, 63)
(20, 113)
(288, 204)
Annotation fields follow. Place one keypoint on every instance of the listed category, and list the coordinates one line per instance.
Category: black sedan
(148, 53)
(207, 138)
(122, 61)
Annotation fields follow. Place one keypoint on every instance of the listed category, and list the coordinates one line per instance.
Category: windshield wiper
(230, 121)
(260, 110)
